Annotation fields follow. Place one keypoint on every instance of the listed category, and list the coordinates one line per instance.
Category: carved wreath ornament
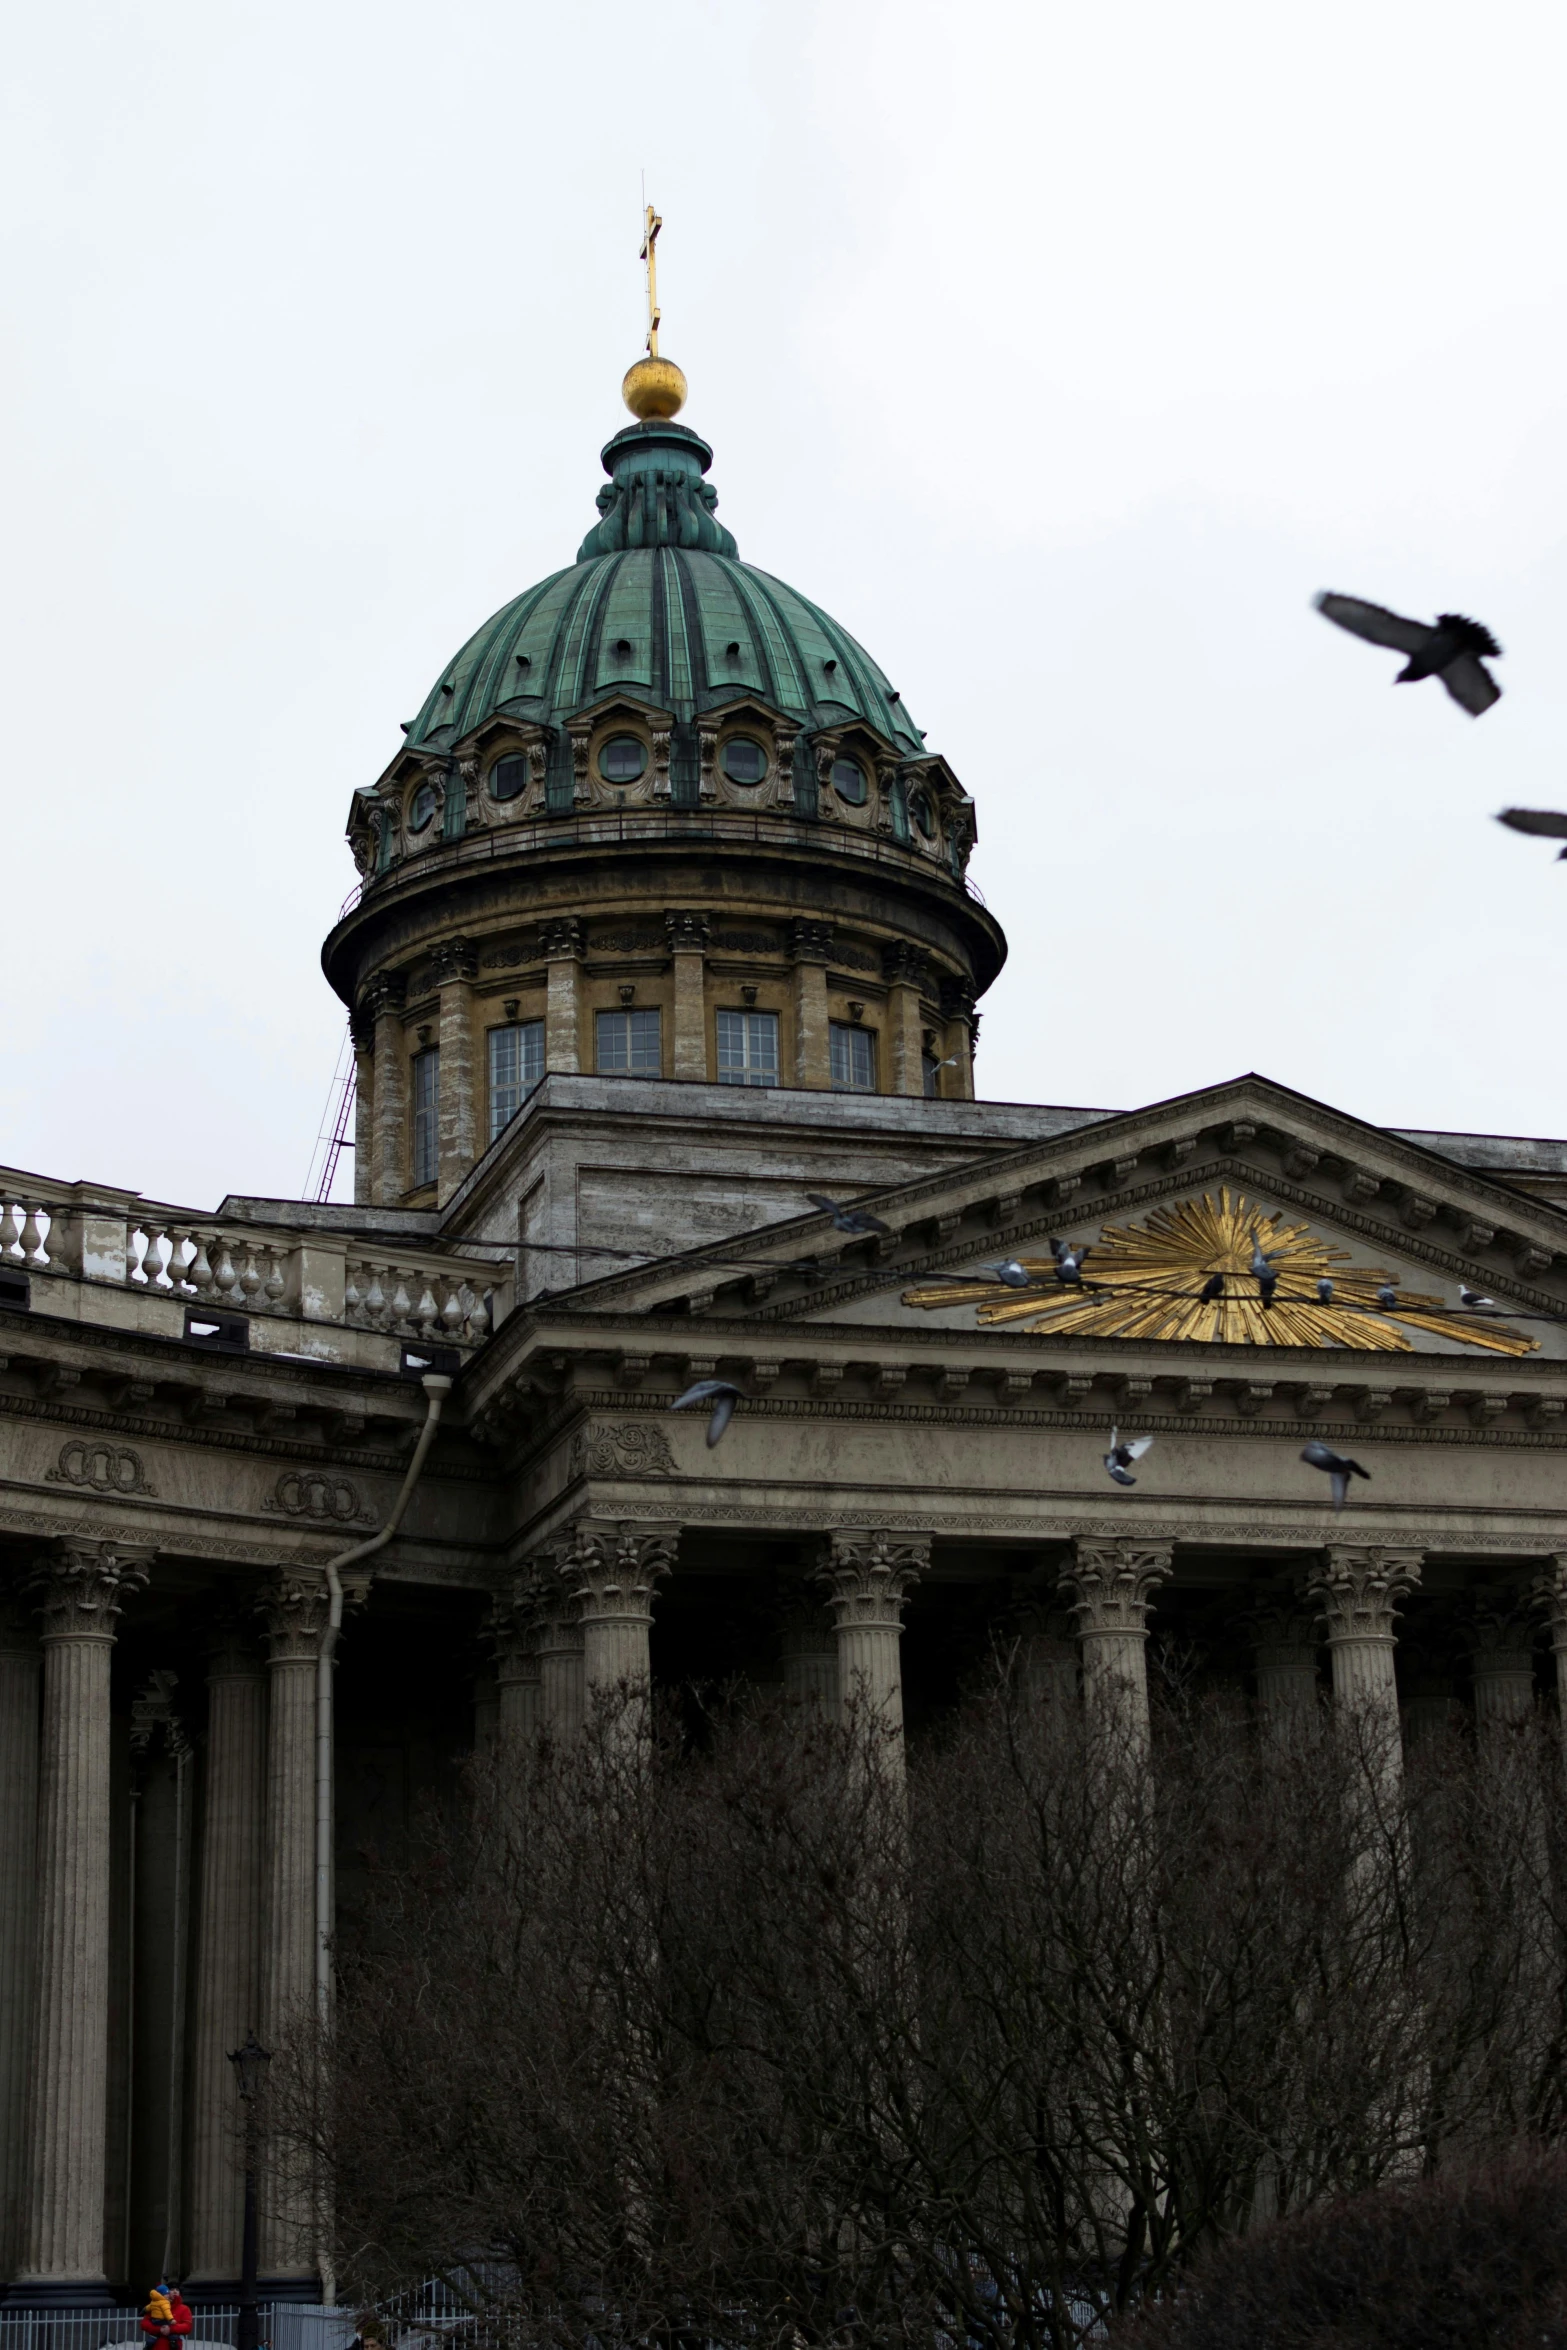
(1145, 1281)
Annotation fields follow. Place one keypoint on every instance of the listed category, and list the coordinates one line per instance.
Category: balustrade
(117, 1239)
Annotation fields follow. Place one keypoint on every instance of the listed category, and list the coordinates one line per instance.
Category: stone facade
(199, 1412)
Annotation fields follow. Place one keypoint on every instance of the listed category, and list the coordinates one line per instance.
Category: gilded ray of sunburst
(1148, 1278)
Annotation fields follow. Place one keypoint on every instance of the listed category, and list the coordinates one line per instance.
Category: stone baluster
(454, 965)
(79, 1593)
(294, 1616)
(199, 1271)
(381, 1003)
(867, 1577)
(1110, 1586)
(228, 1939)
(810, 947)
(1283, 1634)
(560, 939)
(1501, 1651)
(20, 1660)
(688, 936)
(31, 1243)
(401, 1305)
(1358, 1591)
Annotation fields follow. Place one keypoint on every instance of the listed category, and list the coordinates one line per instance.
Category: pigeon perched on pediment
(1069, 1257)
(1449, 649)
(1544, 821)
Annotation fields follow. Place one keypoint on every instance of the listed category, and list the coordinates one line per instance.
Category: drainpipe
(436, 1390)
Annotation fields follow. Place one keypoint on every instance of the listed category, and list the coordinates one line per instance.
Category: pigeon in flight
(1069, 1262)
(1262, 1270)
(1473, 1300)
(1119, 1459)
(1322, 1456)
(1387, 1297)
(722, 1394)
(1324, 1291)
(1015, 1276)
(1451, 650)
(1211, 1289)
(1541, 820)
(847, 1219)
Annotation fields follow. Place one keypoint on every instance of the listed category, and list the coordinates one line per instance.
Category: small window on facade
(848, 781)
(852, 1053)
(932, 1069)
(622, 759)
(427, 1086)
(748, 1048)
(745, 761)
(509, 777)
(516, 1066)
(628, 1044)
(923, 814)
(421, 808)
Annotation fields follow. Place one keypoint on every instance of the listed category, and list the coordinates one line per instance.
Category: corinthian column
(688, 952)
(867, 1577)
(1358, 1592)
(382, 1003)
(1110, 1586)
(1502, 1658)
(808, 1647)
(560, 939)
(1284, 1661)
(228, 1947)
(453, 965)
(294, 1615)
(610, 1571)
(19, 1663)
(79, 1594)
(514, 1640)
(1550, 1597)
(558, 1646)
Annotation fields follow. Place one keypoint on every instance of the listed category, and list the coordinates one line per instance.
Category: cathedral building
(664, 934)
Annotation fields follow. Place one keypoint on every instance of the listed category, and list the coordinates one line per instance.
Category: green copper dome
(659, 608)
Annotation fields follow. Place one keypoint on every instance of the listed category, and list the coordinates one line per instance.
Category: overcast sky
(1063, 353)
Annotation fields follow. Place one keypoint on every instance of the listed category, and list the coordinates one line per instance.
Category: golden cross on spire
(650, 228)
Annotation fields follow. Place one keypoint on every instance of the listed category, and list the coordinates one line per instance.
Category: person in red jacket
(167, 2317)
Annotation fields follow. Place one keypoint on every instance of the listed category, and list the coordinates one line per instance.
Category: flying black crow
(1450, 650)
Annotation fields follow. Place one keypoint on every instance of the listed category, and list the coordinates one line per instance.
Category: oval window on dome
(923, 814)
(421, 808)
(745, 761)
(509, 776)
(622, 759)
(848, 781)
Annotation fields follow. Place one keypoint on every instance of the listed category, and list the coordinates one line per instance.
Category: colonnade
(254, 1933)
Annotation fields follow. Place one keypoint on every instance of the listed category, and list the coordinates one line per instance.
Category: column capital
(454, 958)
(79, 1588)
(609, 1568)
(1502, 1629)
(512, 1635)
(1358, 1591)
(1280, 1621)
(560, 938)
(903, 964)
(867, 1576)
(688, 930)
(810, 942)
(293, 1610)
(232, 1652)
(383, 991)
(1112, 1585)
(1549, 1594)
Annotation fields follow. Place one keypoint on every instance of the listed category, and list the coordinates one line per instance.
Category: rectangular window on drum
(427, 1087)
(627, 1044)
(516, 1067)
(852, 1058)
(748, 1048)
(932, 1073)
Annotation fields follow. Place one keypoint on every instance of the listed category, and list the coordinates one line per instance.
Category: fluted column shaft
(811, 945)
(454, 964)
(687, 944)
(364, 1120)
(228, 1947)
(866, 1578)
(1284, 1662)
(1110, 1586)
(79, 1596)
(1550, 1597)
(514, 1639)
(611, 1570)
(19, 1677)
(294, 1615)
(561, 938)
(808, 1651)
(1046, 1663)
(1357, 1591)
(558, 1648)
(390, 1097)
(1502, 1660)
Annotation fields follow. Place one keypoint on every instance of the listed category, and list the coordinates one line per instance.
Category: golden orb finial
(654, 388)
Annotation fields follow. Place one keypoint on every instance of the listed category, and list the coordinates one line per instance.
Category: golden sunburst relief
(1149, 1276)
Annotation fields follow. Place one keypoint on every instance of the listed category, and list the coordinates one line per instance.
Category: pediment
(1163, 1197)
